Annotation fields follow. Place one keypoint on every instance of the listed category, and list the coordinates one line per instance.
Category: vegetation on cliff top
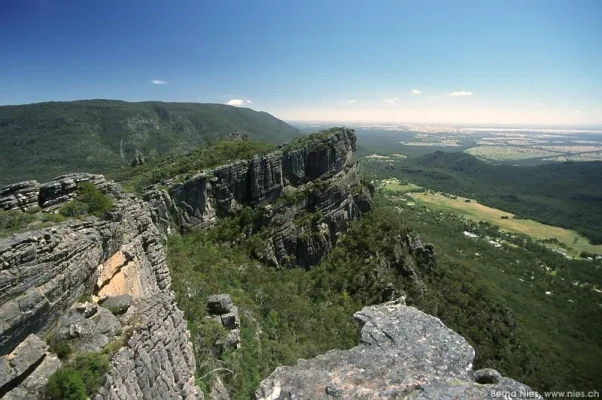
(44, 140)
(317, 138)
(184, 167)
(88, 201)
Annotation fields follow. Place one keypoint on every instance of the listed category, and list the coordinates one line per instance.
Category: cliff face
(45, 272)
(403, 353)
(320, 176)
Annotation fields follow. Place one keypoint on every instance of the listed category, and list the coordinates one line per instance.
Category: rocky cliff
(319, 177)
(403, 353)
(46, 273)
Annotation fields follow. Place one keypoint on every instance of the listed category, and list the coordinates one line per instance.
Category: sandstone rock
(403, 353)
(87, 334)
(218, 391)
(25, 356)
(20, 196)
(389, 293)
(158, 361)
(218, 304)
(487, 376)
(43, 273)
(223, 190)
(118, 304)
(33, 385)
(230, 320)
(224, 312)
(239, 136)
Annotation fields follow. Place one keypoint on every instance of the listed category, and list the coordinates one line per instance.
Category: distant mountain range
(44, 140)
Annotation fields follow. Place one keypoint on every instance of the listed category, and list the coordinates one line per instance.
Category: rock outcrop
(44, 273)
(403, 353)
(29, 195)
(225, 313)
(320, 176)
(157, 361)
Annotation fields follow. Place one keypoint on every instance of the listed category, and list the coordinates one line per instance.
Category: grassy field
(476, 211)
(505, 153)
(473, 210)
(400, 187)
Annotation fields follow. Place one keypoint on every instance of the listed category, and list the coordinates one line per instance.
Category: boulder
(219, 304)
(403, 353)
(25, 356)
(117, 304)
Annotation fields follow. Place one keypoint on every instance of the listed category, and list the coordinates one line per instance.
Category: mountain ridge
(44, 140)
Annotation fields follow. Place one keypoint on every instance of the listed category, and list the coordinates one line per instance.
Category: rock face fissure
(403, 353)
(44, 273)
(285, 185)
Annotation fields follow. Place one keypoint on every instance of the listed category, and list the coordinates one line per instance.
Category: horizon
(493, 63)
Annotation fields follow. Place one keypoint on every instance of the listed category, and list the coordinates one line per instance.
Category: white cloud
(460, 93)
(576, 111)
(416, 91)
(158, 82)
(238, 102)
(390, 100)
(352, 101)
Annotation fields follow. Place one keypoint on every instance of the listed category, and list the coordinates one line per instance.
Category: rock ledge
(403, 353)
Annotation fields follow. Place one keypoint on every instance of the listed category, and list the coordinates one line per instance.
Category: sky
(446, 61)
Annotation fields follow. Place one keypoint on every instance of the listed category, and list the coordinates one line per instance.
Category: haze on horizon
(477, 62)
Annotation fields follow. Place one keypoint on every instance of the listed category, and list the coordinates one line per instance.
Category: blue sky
(484, 61)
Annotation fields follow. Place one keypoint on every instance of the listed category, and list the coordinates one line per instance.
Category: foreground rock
(45, 273)
(403, 353)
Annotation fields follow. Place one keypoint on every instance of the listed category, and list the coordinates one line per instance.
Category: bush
(89, 201)
(61, 348)
(65, 384)
(74, 209)
(12, 221)
(92, 368)
(98, 203)
(79, 380)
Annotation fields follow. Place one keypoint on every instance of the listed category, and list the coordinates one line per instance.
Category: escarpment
(46, 272)
(306, 195)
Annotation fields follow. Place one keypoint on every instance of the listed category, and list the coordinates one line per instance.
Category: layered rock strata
(320, 176)
(43, 273)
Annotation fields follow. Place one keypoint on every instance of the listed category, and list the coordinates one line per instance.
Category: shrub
(92, 368)
(14, 220)
(61, 348)
(53, 218)
(89, 201)
(80, 379)
(65, 384)
(98, 203)
(74, 209)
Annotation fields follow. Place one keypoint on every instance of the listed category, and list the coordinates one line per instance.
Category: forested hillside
(44, 140)
(495, 297)
(566, 194)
